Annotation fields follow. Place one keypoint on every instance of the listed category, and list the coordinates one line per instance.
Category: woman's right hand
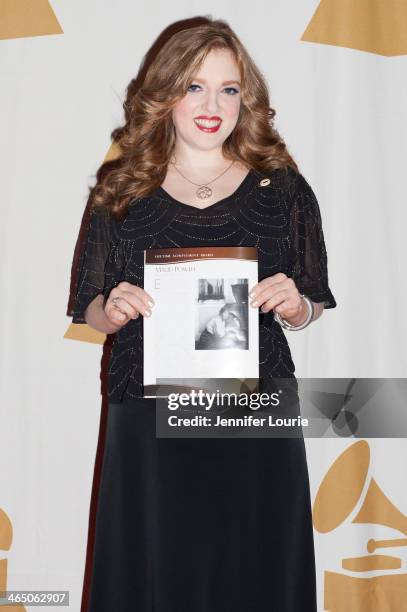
(127, 301)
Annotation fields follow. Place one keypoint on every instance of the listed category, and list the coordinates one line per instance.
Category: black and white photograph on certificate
(222, 314)
(201, 313)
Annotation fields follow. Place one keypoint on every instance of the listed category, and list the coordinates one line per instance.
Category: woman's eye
(230, 90)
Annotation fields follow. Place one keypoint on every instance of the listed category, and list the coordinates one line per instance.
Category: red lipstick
(206, 128)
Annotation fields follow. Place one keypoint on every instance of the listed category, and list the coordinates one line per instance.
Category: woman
(215, 329)
(200, 525)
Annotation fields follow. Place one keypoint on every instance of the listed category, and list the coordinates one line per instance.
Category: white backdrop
(342, 113)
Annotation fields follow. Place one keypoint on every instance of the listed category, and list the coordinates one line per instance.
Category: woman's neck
(189, 159)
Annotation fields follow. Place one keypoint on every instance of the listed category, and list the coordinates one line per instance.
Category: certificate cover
(201, 325)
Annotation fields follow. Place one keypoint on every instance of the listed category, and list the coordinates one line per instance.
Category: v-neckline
(237, 192)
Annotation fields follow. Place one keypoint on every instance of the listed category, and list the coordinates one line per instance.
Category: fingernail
(147, 313)
(252, 294)
(254, 303)
(150, 303)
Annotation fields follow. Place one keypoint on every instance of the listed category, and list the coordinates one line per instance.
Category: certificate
(201, 325)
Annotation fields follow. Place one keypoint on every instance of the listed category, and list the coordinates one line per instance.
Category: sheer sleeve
(101, 244)
(310, 262)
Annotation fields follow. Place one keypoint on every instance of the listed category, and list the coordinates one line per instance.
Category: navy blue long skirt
(200, 524)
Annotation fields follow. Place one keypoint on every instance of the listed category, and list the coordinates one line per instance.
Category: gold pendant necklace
(203, 192)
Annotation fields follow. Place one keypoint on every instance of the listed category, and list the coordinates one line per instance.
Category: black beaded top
(282, 219)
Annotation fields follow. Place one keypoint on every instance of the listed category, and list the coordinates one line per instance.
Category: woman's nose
(211, 106)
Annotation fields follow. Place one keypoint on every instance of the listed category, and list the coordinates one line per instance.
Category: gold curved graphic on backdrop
(84, 333)
(346, 484)
(375, 26)
(81, 331)
(6, 537)
(22, 18)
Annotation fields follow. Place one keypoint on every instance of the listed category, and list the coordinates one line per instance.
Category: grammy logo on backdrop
(6, 538)
(338, 494)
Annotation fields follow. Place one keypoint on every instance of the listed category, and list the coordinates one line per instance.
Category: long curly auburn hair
(146, 141)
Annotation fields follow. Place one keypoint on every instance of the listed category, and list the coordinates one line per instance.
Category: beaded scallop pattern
(280, 216)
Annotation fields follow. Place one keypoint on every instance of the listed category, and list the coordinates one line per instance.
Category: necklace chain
(203, 192)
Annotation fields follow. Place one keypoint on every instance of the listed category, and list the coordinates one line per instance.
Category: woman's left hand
(280, 293)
